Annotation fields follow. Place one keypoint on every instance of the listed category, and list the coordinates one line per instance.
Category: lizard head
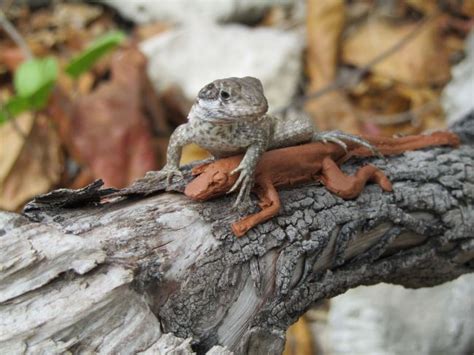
(227, 100)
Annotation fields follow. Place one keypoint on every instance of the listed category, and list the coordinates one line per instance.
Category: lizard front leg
(246, 169)
(179, 138)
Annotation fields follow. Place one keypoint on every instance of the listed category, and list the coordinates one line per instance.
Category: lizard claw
(245, 182)
(167, 173)
(239, 180)
(242, 202)
(337, 137)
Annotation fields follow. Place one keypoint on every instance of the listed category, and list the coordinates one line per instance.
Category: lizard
(305, 163)
(229, 117)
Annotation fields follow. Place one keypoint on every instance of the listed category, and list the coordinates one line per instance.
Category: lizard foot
(168, 173)
(245, 181)
(338, 138)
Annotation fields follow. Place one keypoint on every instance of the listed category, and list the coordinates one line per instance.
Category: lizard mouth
(222, 121)
(213, 111)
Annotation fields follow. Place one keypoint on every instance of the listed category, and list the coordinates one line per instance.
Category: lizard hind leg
(270, 204)
(349, 187)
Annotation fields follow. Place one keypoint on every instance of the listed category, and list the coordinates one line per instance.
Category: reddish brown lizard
(230, 117)
(305, 163)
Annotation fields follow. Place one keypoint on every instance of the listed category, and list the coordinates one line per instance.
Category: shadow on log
(83, 275)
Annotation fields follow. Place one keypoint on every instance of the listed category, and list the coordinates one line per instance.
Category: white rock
(458, 95)
(197, 54)
(219, 350)
(182, 11)
(388, 319)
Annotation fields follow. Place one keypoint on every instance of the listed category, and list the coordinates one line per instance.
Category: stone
(389, 319)
(182, 11)
(194, 55)
(458, 96)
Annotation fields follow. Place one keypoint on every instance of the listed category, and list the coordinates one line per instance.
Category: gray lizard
(230, 117)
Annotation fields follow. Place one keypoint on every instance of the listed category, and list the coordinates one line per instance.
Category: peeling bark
(80, 275)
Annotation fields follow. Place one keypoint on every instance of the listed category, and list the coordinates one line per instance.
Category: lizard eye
(225, 95)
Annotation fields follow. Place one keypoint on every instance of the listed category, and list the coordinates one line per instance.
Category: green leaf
(33, 82)
(34, 74)
(40, 99)
(17, 105)
(3, 116)
(102, 45)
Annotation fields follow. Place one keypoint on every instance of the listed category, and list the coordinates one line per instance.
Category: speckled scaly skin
(230, 117)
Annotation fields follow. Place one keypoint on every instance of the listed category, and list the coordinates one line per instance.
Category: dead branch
(16, 37)
(79, 274)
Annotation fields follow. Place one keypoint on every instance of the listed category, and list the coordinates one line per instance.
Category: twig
(412, 116)
(15, 35)
(18, 130)
(356, 76)
(6, 5)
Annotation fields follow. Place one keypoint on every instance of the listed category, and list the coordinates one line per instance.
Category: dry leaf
(427, 7)
(28, 166)
(299, 340)
(75, 15)
(11, 57)
(325, 22)
(421, 61)
(146, 31)
(396, 108)
(175, 105)
(110, 128)
(107, 131)
(275, 16)
(459, 7)
(12, 142)
(467, 8)
(60, 28)
(333, 111)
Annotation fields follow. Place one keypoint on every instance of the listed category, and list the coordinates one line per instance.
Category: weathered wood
(113, 277)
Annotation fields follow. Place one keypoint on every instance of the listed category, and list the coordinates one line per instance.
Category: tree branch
(16, 37)
(79, 274)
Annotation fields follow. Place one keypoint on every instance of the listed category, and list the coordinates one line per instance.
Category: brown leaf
(325, 22)
(110, 127)
(29, 165)
(299, 339)
(107, 130)
(423, 60)
(146, 31)
(424, 6)
(154, 106)
(11, 57)
(275, 16)
(333, 111)
(396, 108)
(175, 104)
(467, 8)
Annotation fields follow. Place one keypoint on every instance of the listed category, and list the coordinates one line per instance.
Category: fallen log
(117, 271)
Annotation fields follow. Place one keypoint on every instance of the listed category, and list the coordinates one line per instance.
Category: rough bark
(114, 276)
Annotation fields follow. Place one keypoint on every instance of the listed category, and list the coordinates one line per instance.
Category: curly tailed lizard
(230, 117)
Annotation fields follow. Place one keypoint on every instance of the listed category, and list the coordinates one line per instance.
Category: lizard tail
(393, 146)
